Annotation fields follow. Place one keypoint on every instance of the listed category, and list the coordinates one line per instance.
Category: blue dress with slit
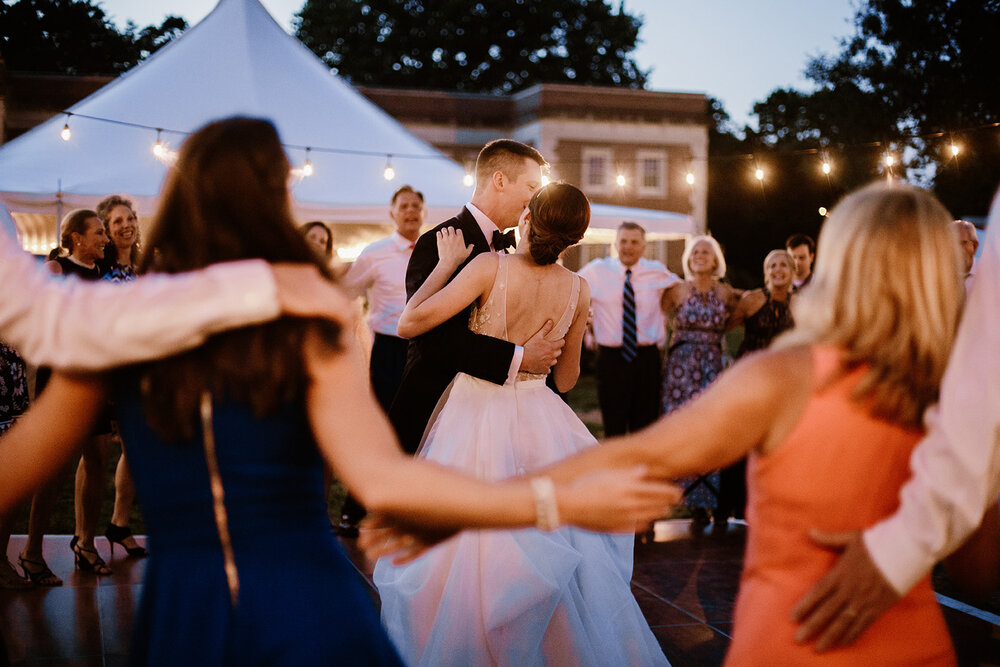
(300, 601)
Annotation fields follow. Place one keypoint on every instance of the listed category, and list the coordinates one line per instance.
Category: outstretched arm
(45, 438)
(343, 412)
(70, 324)
(438, 300)
(715, 429)
(451, 344)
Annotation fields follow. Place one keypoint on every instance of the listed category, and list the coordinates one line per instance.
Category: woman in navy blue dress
(227, 444)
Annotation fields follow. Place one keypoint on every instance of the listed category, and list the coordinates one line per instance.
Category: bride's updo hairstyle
(560, 214)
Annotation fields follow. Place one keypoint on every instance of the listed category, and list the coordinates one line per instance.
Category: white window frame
(640, 171)
(586, 155)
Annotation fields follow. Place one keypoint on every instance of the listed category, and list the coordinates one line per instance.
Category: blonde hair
(887, 291)
(775, 253)
(720, 260)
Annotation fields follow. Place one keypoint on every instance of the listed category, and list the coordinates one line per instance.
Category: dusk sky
(735, 50)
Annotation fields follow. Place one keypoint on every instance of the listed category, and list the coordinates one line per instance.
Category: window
(596, 176)
(651, 173)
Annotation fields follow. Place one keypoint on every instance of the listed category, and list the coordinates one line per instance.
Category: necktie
(629, 341)
(503, 241)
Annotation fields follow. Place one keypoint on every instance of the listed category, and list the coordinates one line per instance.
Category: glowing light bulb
(759, 174)
(307, 168)
(66, 133)
(826, 167)
(689, 178)
(389, 173)
(955, 150)
(159, 150)
(822, 211)
(467, 180)
(889, 160)
(545, 180)
(620, 180)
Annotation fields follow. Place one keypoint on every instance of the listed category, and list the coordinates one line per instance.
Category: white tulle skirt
(514, 597)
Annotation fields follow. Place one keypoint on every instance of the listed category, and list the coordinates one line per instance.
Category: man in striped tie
(629, 331)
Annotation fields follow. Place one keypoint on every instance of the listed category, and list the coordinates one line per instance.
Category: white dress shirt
(606, 277)
(956, 467)
(66, 323)
(380, 270)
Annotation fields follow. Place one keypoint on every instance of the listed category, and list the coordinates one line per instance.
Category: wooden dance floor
(686, 585)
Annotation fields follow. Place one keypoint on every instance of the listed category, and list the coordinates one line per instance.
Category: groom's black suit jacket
(434, 358)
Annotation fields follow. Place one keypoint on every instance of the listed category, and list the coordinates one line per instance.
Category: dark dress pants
(628, 391)
(386, 370)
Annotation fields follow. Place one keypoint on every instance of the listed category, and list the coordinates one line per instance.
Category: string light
(955, 149)
(306, 170)
(822, 211)
(545, 180)
(689, 178)
(826, 167)
(759, 174)
(389, 173)
(159, 150)
(620, 180)
(890, 160)
(468, 180)
(66, 133)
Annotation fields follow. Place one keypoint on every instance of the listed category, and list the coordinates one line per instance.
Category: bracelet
(546, 511)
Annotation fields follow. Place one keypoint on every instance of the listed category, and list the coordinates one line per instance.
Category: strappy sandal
(85, 562)
(10, 579)
(38, 572)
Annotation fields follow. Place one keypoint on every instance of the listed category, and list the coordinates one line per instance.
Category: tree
(915, 74)
(75, 37)
(494, 47)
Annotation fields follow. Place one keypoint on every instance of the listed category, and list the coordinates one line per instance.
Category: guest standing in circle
(85, 238)
(764, 313)
(626, 292)
(700, 307)
(121, 257)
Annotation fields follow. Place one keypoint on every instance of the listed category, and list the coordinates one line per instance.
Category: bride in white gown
(521, 597)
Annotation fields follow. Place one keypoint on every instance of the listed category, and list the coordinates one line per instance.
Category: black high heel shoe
(85, 562)
(118, 534)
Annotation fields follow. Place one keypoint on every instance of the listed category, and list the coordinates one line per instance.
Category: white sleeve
(360, 275)
(71, 324)
(956, 467)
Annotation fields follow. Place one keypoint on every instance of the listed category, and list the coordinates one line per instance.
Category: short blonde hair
(887, 291)
(778, 252)
(720, 259)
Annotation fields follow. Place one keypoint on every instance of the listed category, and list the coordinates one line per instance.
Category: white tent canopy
(238, 61)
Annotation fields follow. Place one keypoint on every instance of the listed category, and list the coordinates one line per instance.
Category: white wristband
(546, 511)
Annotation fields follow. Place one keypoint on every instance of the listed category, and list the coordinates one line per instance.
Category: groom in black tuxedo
(507, 174)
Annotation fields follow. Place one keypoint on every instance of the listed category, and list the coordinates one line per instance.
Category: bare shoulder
(752, 301)
(729, 294)
(674, 295)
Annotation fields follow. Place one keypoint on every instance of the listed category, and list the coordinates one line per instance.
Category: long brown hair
(227, 199)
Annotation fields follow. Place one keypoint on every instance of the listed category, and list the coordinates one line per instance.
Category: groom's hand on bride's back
(540, 354)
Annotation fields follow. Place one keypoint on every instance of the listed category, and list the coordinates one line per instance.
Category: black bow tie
(503, 241)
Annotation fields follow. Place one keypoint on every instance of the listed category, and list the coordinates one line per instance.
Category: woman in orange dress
(829, 416)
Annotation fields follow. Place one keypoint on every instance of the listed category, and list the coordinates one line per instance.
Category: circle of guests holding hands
(230, 438)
